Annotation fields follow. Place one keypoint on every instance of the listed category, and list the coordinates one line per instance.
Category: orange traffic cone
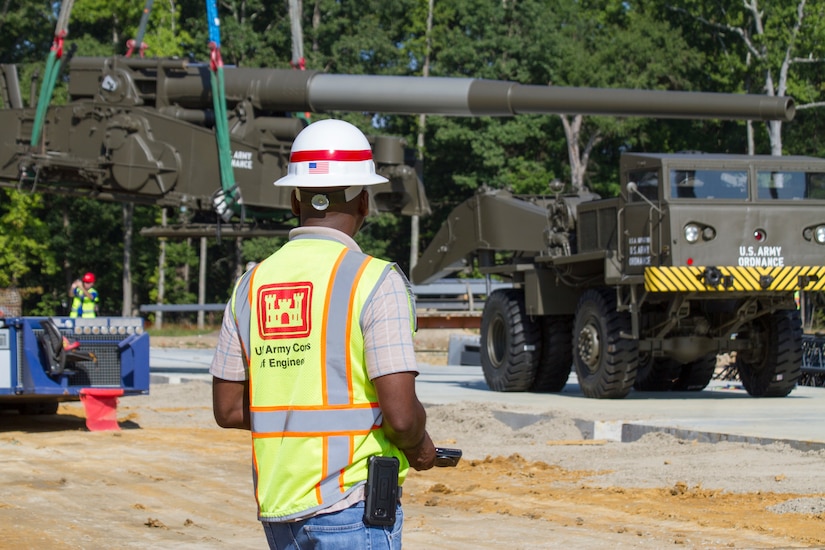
(100, 405)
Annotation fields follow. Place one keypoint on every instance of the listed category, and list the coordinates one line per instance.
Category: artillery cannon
(142, 130)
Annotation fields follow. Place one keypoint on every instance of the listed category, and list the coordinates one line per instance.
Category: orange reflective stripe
(319, 495)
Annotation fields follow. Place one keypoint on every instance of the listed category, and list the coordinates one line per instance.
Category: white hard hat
(330, 153)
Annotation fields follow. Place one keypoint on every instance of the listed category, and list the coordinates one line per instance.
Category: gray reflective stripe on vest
(337, 346)
(242, 311)
(314, 422)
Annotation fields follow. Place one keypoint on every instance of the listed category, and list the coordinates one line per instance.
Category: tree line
(752, 46)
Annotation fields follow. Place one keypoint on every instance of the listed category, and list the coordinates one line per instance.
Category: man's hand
(422, 456)
(405, 418)
(79, 284)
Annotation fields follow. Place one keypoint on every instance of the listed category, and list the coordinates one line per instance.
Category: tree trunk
(239, 265)
(186, 268)
(161, 273)
(422, 125)
(579, 156)
(295, 13)
(128, 228)
(67, 265)
(316, 22)
(202, 283)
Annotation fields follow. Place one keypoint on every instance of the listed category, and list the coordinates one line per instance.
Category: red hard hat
(89, 277)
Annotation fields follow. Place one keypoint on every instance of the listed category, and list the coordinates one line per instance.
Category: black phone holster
(382, 491)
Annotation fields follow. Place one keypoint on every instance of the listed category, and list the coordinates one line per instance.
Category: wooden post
(161, 273)
(202, 283)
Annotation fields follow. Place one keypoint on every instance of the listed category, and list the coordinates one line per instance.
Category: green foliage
(26, 30)
(46, 241)
(101, 27)
(260, 248)
(24, 242)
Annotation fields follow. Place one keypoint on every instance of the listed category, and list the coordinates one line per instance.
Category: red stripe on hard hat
(307, 156)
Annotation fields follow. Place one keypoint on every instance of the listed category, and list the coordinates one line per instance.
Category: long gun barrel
(176, 82)
(142, 130)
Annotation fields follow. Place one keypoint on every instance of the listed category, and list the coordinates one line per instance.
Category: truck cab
(700, 209)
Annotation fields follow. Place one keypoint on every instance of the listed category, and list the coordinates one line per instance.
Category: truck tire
(605, 362)
(510, 342)
(556, 354)
(39, 408)
(656, 373)
(772, 364)
(696, 375)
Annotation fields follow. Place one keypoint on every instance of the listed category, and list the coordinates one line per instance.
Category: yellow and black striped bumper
(734, 279)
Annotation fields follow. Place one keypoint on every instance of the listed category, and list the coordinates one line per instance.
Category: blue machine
(46, 360)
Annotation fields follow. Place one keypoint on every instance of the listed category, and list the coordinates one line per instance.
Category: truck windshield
(709, 184)
(790, 185)
(647, 183)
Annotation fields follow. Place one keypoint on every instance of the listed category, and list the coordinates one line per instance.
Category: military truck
(700, 255)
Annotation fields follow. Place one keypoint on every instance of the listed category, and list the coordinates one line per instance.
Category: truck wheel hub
(589, 347)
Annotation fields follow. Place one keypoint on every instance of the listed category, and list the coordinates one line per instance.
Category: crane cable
(137, 42)
(52, 70)
(227, 201)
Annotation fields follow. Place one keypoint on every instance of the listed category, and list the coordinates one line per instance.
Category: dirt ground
(169, 478)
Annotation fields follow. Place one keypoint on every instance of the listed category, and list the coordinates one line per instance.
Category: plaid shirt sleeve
(228, 363)
(388, 342)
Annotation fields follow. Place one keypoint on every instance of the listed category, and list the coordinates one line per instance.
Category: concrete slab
(722, 411)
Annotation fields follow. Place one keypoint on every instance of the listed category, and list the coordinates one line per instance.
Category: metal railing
(180, 308)
(442, 295)
(813, 353)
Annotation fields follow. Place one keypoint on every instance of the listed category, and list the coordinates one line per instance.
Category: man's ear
(364, 203)
(296, 206)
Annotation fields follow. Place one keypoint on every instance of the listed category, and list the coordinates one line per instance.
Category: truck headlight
(692, 232)
(819, 234)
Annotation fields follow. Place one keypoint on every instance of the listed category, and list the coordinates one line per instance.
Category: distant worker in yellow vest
(84, 297)
(315, 357)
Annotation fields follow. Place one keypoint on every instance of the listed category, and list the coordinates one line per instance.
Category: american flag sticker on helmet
(319, 167)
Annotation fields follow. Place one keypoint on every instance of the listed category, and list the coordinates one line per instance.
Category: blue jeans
(344, 530)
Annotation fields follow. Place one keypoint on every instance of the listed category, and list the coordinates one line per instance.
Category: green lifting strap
(228, 201)
(52, 70)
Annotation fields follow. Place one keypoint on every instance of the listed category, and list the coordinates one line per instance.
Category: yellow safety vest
(82, 306)
(314, 412)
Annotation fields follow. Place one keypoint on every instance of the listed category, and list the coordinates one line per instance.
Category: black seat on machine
(60, 351)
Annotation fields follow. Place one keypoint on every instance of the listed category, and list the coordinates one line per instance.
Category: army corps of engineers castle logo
(283, 310)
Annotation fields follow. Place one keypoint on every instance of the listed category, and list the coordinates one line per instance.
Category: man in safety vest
(316, 358)
(84, 297)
